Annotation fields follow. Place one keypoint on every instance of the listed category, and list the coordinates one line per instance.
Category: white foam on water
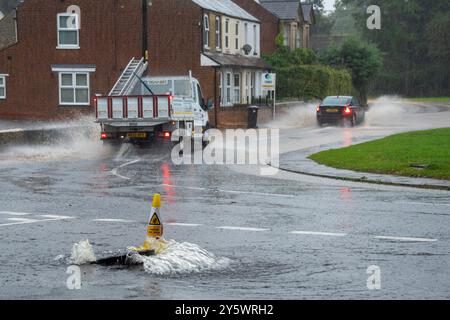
(82, 253)
(301, 116)
(81, 141)
(183, 258)
(395, 111)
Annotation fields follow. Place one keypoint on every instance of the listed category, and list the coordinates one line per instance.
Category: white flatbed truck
(153, 107)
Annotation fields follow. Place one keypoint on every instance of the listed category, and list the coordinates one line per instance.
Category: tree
(364, 60)
(406, 40)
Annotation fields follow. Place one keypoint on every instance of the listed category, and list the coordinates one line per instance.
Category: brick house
(295, 20)
(219, 42)
(52, 70)
(269, 23)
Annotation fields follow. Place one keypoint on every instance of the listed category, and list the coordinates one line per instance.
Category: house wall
(269, 24)
(176, 42)
(244, 36)
(110, 36)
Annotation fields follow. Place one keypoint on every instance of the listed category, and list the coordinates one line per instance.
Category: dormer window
(68, 31)
(206, 31)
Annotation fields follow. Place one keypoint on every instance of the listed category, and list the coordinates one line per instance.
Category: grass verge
(423, 154)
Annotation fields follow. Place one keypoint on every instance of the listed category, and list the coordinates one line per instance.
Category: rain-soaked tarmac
(237, 235)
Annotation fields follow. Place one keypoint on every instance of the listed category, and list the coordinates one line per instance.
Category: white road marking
(115, 170)
(19, 221)
(15, 213)
(243, 229)
(50, 216)
(114, 220)
(193, 225)
(23, 220)
(326, 234)
(233, 191)
(406, 239)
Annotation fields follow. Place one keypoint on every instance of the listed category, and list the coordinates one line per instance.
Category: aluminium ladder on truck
(128, 79)
(119, 107)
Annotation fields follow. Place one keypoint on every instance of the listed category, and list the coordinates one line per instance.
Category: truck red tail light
(104, 136)
(318, 109)
(167, 135)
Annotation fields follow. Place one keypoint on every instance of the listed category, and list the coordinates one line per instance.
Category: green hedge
(312, 81)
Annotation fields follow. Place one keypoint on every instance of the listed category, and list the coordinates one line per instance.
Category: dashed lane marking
(23, 220)
(243, 229)
(19, 221)
(232, 191)
(406, 239)
(114, 220)
(191, 225)
(325, 234)
(15, 213)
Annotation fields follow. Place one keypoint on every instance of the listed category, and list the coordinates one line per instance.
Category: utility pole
(145, 24)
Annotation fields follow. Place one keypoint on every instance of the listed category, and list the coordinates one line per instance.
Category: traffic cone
(154, 241)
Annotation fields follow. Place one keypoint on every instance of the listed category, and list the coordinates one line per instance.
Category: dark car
(340, 110)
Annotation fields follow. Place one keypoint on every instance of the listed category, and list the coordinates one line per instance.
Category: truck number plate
(141, 135)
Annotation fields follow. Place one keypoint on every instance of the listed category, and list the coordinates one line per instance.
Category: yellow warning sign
(154, 231)
(154, 221)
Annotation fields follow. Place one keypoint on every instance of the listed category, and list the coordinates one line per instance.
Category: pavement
(236, 234)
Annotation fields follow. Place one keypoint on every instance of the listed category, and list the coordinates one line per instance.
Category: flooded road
(235, 234)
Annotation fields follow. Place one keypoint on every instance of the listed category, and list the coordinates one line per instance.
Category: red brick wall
(269, 23)
(110, 36)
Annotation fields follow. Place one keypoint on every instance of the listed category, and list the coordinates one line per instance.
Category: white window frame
(237, 35)
(247, 97)
(206, 29)
(228, 85)
(74, 87)
(227, 33)
(287, 35)
(255, 40)
(60, 29)
(246, 33)
(221, 87)
(298, 38)
(253, 85)
(237, 98)
(3, 77)
(218, 34)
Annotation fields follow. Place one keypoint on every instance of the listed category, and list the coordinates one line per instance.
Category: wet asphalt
(287, 236)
